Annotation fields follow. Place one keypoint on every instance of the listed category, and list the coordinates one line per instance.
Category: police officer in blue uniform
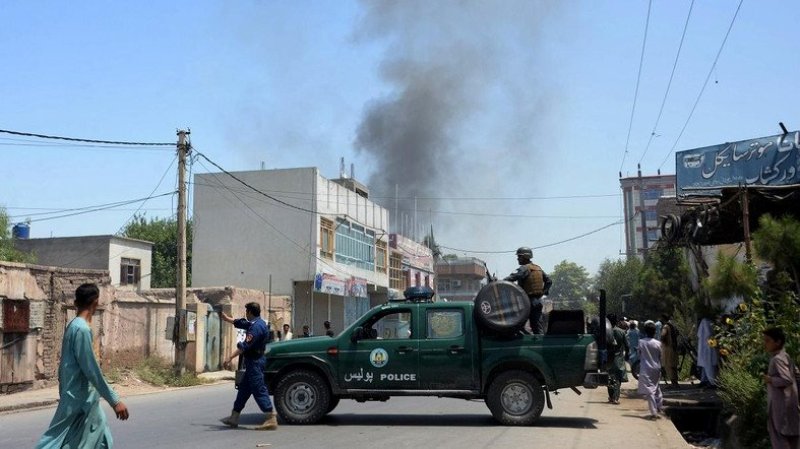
(252, 350)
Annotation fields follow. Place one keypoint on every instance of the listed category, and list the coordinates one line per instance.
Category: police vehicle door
(447, 361)
(387, 358)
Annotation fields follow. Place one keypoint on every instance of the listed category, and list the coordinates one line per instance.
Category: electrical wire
(448, 198)
(669, 83)
(638, 79)
(618, 222)
(75, 139)
(253, 188)
(705, 83)
(438, 212)
(96, 209)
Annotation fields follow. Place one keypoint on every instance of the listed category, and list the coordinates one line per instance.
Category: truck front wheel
(302, 397)
(515, 398)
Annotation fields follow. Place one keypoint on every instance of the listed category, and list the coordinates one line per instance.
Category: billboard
(765, 161)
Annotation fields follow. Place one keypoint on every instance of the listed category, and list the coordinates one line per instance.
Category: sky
(508, 120)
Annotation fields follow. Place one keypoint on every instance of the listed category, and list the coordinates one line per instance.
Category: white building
(641, 193)
(128, 261)
(321, 241)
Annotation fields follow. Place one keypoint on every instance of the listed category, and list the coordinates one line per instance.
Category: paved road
(189, 419)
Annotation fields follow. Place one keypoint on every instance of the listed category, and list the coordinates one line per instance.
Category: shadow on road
(449, 421)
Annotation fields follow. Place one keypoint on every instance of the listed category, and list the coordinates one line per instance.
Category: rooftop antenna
(352, 171)
(341, 167)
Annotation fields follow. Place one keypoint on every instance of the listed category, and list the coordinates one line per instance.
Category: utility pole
(180, 291)
(642, 211)
(748, 253)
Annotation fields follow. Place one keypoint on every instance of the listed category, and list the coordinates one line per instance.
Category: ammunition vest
(534, 283)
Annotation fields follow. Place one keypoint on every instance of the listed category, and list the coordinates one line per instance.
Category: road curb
(27, 406)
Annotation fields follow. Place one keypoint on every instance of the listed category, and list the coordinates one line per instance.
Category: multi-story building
(411, 264)
(460, 279)
(640, 195)
(297, 233)
(128, 261)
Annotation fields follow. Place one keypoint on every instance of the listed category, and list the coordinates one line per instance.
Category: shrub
(157, 371)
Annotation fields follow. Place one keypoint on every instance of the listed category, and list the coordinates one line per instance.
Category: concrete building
(415, 262)
(321, 241)
(460, 279)
(129, 261)
(641, 194)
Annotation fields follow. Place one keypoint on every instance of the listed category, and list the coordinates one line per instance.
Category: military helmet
(525, 252)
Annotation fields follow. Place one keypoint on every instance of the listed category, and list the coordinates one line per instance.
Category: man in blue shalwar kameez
(79, 421)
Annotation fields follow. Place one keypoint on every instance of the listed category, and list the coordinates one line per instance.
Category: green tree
(570, 282)
(7, 250)
(618, 278)
(163, 232)
(778, 240)
(663, 284)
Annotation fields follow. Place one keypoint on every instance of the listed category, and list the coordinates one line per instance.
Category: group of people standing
(288, 335)
(637, 346)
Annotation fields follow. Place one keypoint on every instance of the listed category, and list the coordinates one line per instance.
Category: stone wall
(127, 327)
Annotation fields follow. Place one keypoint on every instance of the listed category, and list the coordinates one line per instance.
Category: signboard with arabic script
(766, 161)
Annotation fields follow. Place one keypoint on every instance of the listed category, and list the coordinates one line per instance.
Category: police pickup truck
(417, 347)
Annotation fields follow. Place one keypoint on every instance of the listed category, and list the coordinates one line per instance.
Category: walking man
(669, 349)
(252, 349)
(650, 370)
(535, 282)
(618, 351)
(328, 331)
(79, 421)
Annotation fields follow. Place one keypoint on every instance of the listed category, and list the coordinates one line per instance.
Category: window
(652, 194)
(326, 238)
(650, 215)
(392, 326)
(380, 256)
(445, 323)
(428, 280)
(130, 271)
(396, 271)
(443, 285)
(418, 279)
(355, 245)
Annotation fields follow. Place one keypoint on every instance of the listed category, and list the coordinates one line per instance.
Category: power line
(669, 83)
(253, 188)
(95, 209)
(303, 250)
(439, 212)
(540, 246)
(449, 198)
(638, 79)
(705, 83)
(75, 139)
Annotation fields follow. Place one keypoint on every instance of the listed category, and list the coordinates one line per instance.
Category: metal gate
(213, 338)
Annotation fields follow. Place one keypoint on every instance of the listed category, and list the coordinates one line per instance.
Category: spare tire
(502, 306)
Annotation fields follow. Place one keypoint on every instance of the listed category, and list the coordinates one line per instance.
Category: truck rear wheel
(515, 398)
(302, 397)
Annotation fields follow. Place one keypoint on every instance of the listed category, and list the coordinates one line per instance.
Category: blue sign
(766, 161)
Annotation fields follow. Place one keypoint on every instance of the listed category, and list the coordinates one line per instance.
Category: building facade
(640, 195)
(128, 261)
(412, 264)
(321, 241)
(460, 279)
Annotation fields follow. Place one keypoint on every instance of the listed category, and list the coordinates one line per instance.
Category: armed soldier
(535, 282)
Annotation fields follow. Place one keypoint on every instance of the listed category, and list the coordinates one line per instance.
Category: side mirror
(358, 334)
